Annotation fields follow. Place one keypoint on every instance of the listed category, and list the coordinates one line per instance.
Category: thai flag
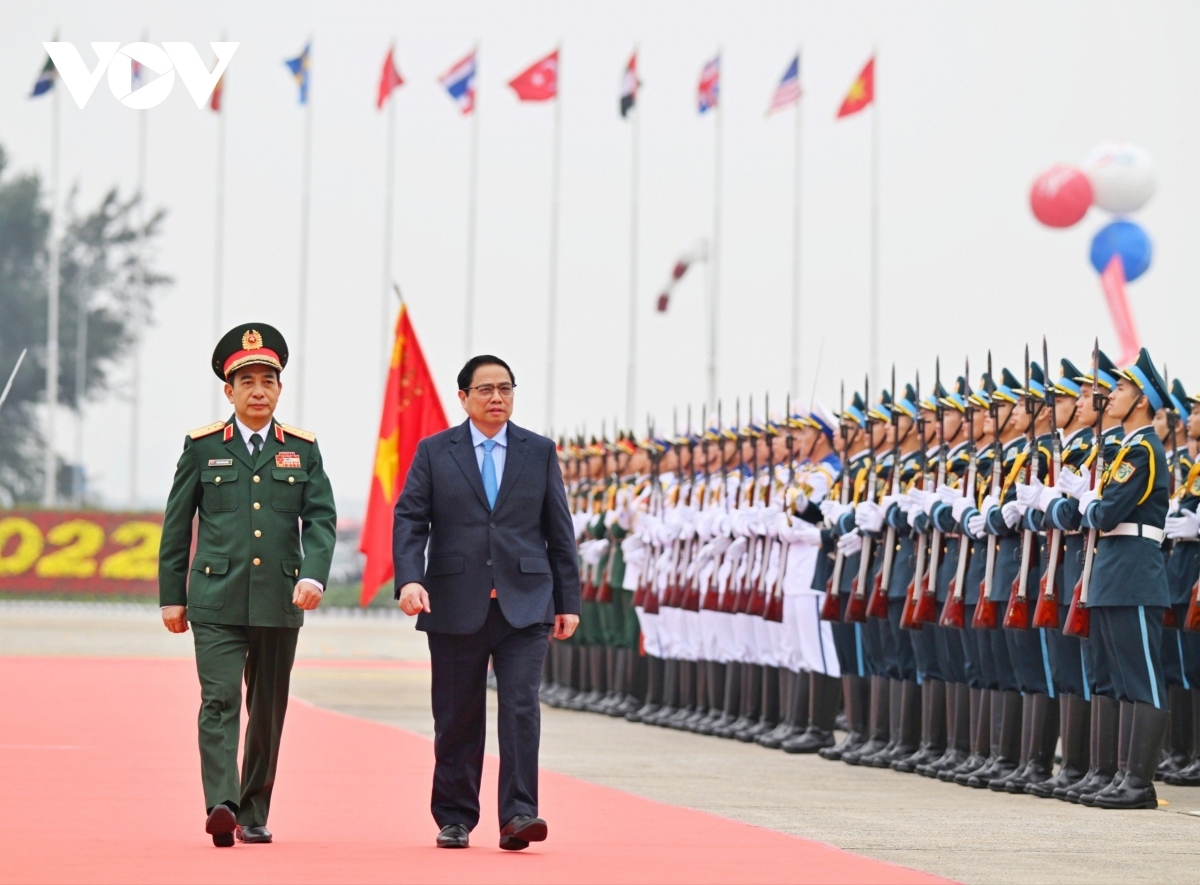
(787, 93)
(459, 81)
(710, 86)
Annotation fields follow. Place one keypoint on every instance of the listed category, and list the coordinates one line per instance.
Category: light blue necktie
(489, 473)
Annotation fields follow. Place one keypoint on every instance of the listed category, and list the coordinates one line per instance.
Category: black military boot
(1190, 775)
(655, 678)
(958, 731)
(1073, 714)
(1106, 727)
(734, 677)
(933, 728)
(611, 697)
(670, 692)
(1136, 788)
(822, 711)
(789, 684)
(1039, 754)
(1000, 784)
(572, 664)
(856, 701)
(700, 703)
(996, 763)
(752, 679)
(551, 686)
(908, 742)
(716, 697)
(880, 723)
(598, 668)
(768, 707)
(620, 683)
(981, 730)
(1178, 753)
(581, 679)
(1124, 742)
(687, 695)
(884, 757)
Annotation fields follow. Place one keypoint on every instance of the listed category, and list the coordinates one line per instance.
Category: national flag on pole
(214, 100)
(787, 93)
(862, 91)
(459, 81)
(300, 66)
(411, 412)
(539, 81)
(388, 80)
(629, 86)
(709, 89)
(1112, 281)
(45, 79)
(137, 74)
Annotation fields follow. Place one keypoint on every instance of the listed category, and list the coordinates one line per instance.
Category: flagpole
(81, 345)
(631, 372)
(874, 308)
(50, 488)
(136, 382)
(714, 263)
(472, 208)
(385, 325)
(796, 241)
(219, 242)
(552, 310)
(305, 188)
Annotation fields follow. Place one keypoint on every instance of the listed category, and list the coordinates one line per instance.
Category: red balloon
(1060, 196)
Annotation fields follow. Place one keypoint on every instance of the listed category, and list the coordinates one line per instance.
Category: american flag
(787, 93)
(710, 86)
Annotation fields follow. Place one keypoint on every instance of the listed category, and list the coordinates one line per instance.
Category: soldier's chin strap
(1136, 401)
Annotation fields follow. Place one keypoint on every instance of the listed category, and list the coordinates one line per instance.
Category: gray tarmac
(962, 834)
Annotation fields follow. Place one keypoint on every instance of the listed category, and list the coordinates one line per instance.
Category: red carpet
(99, 779)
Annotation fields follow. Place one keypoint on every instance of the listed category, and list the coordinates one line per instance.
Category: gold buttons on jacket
(256, 479)
(296, 572)
(257, 561)
(258, 533)
(207, 570)
(218, 479)
(291, 479)
(256, 505)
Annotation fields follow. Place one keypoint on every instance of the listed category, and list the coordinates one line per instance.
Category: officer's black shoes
(520, 831)
(1136, 788)
(254, 835)
(454, 836)
(812, 740)
(221, 825)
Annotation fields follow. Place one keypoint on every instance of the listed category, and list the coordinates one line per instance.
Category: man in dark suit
(487, 500)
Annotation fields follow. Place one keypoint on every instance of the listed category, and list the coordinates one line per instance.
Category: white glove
(850, 543)
(1184, 527)
(1073, 484)
(803, 534)
(1087, 498)
(961, 506)
(989, 501)
(782, 526)
(886, 502)
(736, 550)
(1046, 497)
(947, 494)
(834, 510)
(869, 516)
(919, 499)
(610, 517)
(1027, 495)
(800, 502)
(975, 525)
(1012, 513)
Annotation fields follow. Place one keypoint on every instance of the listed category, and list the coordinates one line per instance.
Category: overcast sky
(974, 100)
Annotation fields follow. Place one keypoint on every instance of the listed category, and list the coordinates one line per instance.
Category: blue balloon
(1126, 239)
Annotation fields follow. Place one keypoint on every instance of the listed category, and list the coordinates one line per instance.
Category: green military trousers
(224, 655)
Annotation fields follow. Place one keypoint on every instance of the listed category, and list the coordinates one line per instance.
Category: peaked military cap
(1179, 397)
(1146, 377)
(247, 345)
(1067, 383)
(1107, 374)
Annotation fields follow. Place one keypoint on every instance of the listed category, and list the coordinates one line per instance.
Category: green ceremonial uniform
(266, 521)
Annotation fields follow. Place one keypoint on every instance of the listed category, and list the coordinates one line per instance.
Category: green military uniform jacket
(265, 524)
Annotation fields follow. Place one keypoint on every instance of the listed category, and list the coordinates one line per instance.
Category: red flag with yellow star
(861, 93)
(411, 412)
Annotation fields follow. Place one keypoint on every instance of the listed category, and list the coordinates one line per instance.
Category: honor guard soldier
(1128, 594)
(265, 540)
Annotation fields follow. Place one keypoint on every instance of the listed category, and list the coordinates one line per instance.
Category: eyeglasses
(485, 391)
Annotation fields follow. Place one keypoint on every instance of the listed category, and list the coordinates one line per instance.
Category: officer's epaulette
(206, 430)
(297, 432)
(1130, 443)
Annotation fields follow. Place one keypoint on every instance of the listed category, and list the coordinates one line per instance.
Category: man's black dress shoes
(252, 835)
(453, 836)
(221, 825)
(520, 831)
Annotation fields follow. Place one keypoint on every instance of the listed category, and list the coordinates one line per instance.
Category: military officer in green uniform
(263, 548)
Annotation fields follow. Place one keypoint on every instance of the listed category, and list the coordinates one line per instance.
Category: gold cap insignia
(252, 340)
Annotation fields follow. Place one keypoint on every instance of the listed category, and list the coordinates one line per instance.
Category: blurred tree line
(101, 279)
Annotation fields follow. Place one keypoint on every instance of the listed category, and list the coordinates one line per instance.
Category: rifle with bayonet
(1045, 613)
(954, 611)
(775, 602)
(1079, 619)
(1016, 616)
(985, 610)
(926, 610)
(605, 593)
(1169, 619)
(831, 609)
(588, 586)
(912, 594)
(731, 597)
(691, 594)
(877, 607)
(758, 595)
(856, 609)
(712, 591)
(645, 596)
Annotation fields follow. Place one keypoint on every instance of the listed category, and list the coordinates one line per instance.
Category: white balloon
(1122, 176)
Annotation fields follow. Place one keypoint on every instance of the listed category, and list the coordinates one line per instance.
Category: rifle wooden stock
(926, 608)
(915, 590)
(856, 608)
(1016, 616)
(1079, 620)
(831, 607)
(954, 610)
(587, 590)
(1192, 620)
(1169, 618)
(985, 610)
(1045, 614)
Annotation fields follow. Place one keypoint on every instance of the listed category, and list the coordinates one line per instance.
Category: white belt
(1136, 530)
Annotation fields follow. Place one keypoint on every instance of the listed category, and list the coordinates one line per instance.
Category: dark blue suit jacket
(525, 548)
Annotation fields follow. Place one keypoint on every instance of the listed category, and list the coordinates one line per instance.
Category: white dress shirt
(246, 433)
(498, 452)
